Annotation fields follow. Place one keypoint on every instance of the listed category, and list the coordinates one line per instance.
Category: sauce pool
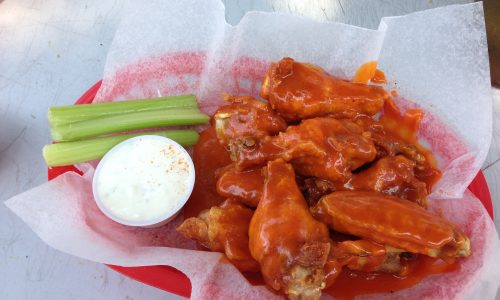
(354, 283)
(209, 156)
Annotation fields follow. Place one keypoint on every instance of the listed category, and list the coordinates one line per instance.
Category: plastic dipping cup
(144, 181)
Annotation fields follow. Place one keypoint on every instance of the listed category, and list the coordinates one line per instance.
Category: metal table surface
(51, 51)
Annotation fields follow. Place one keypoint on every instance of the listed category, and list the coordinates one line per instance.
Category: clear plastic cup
(128, 153)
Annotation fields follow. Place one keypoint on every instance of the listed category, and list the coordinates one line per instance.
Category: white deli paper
(437, 59)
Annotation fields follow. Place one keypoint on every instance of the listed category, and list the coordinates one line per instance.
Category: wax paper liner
(436, 58)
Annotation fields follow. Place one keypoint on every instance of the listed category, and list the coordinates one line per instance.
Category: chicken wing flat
(391, 175)
(391, 221)
(246, 119)
(224, 229)
(321, 147)
(299, 91)
(245, 187)
(289, 244)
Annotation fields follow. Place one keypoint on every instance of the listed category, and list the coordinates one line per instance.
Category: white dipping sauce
(144, 181)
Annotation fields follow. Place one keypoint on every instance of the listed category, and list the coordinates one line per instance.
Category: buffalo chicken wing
(245, 187)
(391, 175)
(245, 120)
(391, 221)
(289, 244)
(224, 229)
(321, 147)
(299, 91)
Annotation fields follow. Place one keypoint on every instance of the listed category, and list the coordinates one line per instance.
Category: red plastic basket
(174, 281)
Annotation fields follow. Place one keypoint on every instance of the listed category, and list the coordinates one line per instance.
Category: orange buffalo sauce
(354, 283)
(378, 77)
(209, 156)
(405, 127)
(365, 73)
(368, 72)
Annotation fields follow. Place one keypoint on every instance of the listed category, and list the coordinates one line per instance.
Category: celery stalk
(58, 115)
(125, 122)
(68, 153)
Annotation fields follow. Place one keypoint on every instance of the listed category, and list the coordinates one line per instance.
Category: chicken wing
(245, 187)
(299, 91)
(391, 221)
(322, 147)
(391, 175)
(246, 119)
(389, 144)
(224, 229)
(289, 244)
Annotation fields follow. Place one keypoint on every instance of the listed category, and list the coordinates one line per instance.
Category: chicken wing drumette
(289, 244)
(245, 120)
(321, 147)
(299, 91)
(245, 187)
(224, 229)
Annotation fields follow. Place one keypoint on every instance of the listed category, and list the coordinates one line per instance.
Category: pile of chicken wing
(312, 162)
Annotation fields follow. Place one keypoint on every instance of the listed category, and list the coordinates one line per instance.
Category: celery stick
(131, 121)
(58, 115)
(68, 153)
